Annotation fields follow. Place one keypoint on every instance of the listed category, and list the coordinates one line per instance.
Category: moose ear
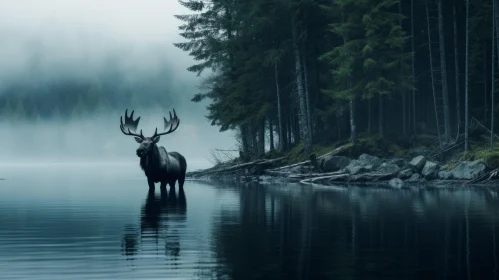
(156, 139)
(138, 139)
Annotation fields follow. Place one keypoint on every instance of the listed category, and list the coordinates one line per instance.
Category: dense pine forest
(289, 72)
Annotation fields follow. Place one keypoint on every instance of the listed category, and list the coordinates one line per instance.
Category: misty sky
(74, 38)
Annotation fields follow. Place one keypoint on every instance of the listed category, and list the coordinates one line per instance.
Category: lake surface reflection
(100, 222)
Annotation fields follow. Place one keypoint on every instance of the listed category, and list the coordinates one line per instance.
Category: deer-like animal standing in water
(158, 165)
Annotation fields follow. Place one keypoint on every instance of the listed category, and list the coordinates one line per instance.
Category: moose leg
(163, 186)
(172, 184)
(151, 184)
(181, 182)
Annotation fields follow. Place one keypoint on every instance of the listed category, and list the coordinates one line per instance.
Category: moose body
(164, 167)
(158, 164)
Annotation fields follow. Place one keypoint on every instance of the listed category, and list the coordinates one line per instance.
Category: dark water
(78, 222)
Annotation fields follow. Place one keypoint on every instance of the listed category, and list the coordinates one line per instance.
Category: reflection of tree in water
(160, 216)
(312, 234)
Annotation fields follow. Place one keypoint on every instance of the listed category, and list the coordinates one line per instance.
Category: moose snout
(140, 152)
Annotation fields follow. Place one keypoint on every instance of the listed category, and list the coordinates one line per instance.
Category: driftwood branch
(258, 163)
(308, 161)
(483, 126)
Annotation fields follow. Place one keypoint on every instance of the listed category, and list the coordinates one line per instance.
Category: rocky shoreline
(332, 169)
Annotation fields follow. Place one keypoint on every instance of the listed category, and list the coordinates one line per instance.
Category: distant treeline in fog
(69, 98)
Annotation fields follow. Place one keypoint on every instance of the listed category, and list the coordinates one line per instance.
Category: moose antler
(130, 124)
(172, 123)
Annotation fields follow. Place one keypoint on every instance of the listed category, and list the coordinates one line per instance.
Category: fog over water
(44, 42)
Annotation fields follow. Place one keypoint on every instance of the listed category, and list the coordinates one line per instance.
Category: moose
(157, 164)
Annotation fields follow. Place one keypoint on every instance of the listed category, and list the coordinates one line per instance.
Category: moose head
(147, 143)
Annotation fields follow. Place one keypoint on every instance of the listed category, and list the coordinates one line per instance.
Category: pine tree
(7, 109)
(19, 110)
(384, 65)
(443, 71)
(346, 59)
(78, 109)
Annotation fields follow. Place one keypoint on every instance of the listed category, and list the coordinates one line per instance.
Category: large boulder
(468, 170)
(417, 163)
(400, 162)
(333, 163)
(355, 167)
(444, 175)
(418, 152)
(430, 170)
(396, 183)
(366, 159)
(388, 168)
(414, 178)
(405, 173)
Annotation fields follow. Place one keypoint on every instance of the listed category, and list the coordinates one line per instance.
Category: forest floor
(373, 160)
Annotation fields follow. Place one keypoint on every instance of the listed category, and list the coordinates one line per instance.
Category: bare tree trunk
(353, 134)
(466, 85)
(307, 94)
(404, 113)
(431, 69)
(485, 91)
(496, 22)
(261, 137)
(492, 103)
(271, 135)
(380, 115)
(279, 115)
(338, 123)
(302, 116)
(443, 71)
(369, 116)
(413, 71)
(253, 139)
(456, 66)
(296, 131)
(244, 140)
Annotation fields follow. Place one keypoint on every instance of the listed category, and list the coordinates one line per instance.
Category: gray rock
(333, 163)
(388, 168)
(430, 170)
(445, 175)
(396, 183)
(405, 173)
(418, 152)
(370, 160)
(355, 167)
(417, 163)
(468, 170)
(400, 162)
(414, 177)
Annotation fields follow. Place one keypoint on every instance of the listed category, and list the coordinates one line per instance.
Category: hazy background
(69, 68)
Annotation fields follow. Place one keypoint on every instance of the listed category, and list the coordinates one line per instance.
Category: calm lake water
(82, 222)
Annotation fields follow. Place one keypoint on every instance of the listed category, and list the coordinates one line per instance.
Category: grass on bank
(375, 145)
(390, 147)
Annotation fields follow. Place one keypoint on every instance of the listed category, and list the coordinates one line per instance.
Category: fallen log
(316, 175)
(483, 177)
(337, 177)
(308, 161)
(370, 176)
(260, 163)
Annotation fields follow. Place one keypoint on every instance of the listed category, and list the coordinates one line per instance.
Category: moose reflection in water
(158, 164)
(160, 217)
